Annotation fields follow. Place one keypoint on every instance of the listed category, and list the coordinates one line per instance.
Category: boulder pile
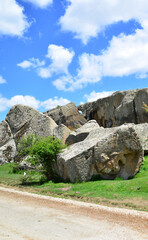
(119, 108)
(67, 115)
(96, 151)
(108, 139)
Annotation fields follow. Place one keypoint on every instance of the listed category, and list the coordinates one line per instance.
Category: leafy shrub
(41, 151)
(45, 151)
(25, 144)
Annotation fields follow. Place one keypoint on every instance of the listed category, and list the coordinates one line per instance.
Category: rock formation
(24, 120)
(107, 150)
(61, 132)
(81, 133)
(119, 108)
(106, 153)
(142, 132)
(7, 143)
(67, 115)
(20, 121)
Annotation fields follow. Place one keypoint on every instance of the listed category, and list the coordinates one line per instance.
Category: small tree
(41, 151)
(24, 145)
(45, 151)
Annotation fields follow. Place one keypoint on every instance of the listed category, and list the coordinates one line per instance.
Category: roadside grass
(132, 193)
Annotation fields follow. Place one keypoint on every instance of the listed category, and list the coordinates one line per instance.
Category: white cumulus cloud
(89, 71)
(40, 3)
(13, 21)
(33, 62)
(52, 103)
(86, 18)
(2, 80)
(93, 96)
(60, 58)
(25, 100)
(124, 56)
(31, 101)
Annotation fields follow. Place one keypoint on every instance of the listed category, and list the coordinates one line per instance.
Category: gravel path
(34, 217)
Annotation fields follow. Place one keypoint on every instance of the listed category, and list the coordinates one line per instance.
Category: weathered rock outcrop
(117, 109)
(61, 132)
(7, 143)
(89, 129)
(24, 120)
(107, 153)
(67, 115)
(20, 121)
(142, 132)
(81, 133)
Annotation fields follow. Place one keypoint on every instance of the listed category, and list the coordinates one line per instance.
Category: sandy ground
(34, 217)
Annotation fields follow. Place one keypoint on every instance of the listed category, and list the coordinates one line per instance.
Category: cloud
(31, 101)
(13, 21)
(65, 83)
(25, 100)
(88, 18)
(124, 56)
(52, 103)
(89, 71)
(31, 63)
(40, 3)
(2, 80)
(60, 58)
(93, 96)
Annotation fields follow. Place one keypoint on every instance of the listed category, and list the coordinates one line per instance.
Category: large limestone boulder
(141, 97)
(142, 132)
(61, 132)
(7, 143)
(92, 128)
(67, 115)
(107, 153)
(24, 120)
(117, 109)
(81, 133)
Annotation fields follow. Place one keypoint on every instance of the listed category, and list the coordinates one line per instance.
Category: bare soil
(31, 216)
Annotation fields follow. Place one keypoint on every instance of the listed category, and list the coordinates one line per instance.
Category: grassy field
(131, 193)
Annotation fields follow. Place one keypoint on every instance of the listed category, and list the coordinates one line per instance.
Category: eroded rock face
(7, 143)
(142, 132)
(108, 153)
(81, 133)
(117, 109)
(67, 115)
(5, 133)
(20, 121)
(61, 132)
(24, 120)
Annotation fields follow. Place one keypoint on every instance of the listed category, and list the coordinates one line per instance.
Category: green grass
(131, 193)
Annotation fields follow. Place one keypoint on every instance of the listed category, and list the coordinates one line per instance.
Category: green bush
(25, 144)
(41, 151)
(45, 152)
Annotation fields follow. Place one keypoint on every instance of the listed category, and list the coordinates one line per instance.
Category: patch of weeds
(119, 179)
(76, 126)
(58, 107)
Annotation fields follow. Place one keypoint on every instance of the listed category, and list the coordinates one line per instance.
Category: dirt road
(32, 217)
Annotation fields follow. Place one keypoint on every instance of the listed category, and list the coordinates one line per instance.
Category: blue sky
(53, 52)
